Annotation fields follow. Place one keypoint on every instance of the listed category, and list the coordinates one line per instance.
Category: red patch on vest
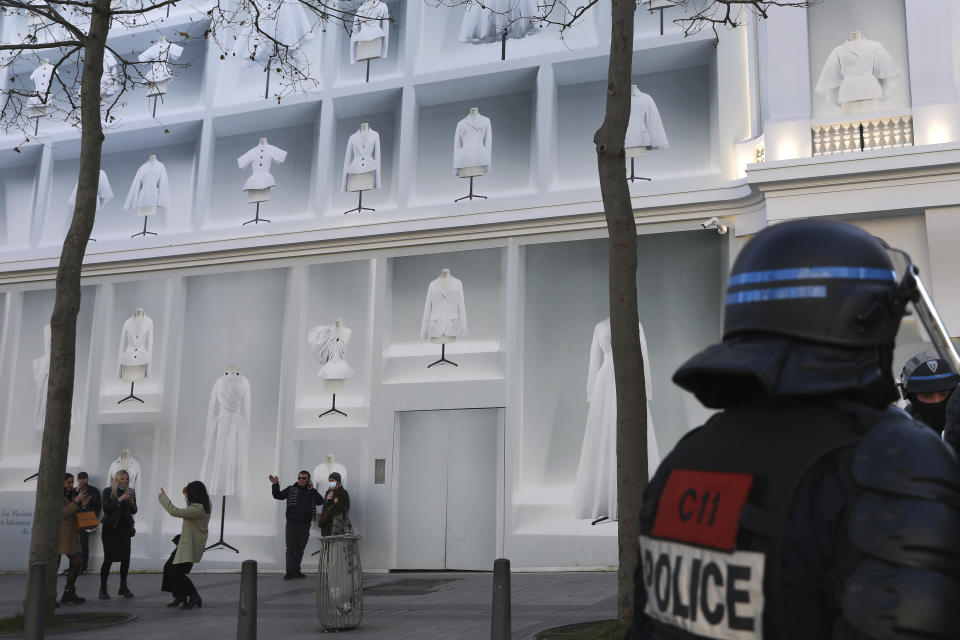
(702, 507)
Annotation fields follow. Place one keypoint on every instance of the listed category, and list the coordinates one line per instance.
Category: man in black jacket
(94, 506)
(302, 500)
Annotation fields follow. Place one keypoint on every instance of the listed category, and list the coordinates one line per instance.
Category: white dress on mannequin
(41, 376)
(858, 70)
(136, 344)
(150, 189)
(363, 156)
(473, 143)
(645, 128)
(371, 21)
(260, 158)
(132, 467)
(227, 435)
(595, 493)
(104, 192)
(329, 347)
(444, 313)
(486, 23)
(284, 20)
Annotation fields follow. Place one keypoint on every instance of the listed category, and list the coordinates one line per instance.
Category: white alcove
(18, 175)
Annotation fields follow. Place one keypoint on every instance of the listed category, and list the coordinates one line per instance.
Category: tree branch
(39, 46)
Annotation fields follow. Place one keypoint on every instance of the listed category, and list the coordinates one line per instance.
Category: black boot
(70, 596)
(103, 593)
(192, 601)
(177, 601)
(126, 593)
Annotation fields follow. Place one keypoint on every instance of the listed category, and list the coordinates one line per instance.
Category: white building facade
(448, 467)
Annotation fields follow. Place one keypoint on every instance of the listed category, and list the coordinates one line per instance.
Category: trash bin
(339, 583)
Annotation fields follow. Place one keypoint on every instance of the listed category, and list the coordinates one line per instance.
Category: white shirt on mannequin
(363, 155)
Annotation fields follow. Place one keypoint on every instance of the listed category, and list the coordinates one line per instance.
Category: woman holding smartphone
(119, 507)
(190, 544)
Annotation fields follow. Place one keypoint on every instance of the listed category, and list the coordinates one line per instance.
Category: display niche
(374, 39)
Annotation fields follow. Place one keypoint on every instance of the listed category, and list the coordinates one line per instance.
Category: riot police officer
(809, 507)
(927, 382)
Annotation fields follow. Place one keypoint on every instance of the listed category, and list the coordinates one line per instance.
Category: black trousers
(297, 537)
(176, 581)
(85, 549)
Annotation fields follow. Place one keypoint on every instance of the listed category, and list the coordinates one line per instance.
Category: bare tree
(83, 82)
(622, 231)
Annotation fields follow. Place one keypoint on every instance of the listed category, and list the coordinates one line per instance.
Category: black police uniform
(809, 508)
(924, 373)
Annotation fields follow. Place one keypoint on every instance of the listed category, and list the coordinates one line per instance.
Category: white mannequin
(467, 172)
(445, 287)
(858, 74)
(159, 74)
(233, 369)
(860, 106)
(370, 31)
(134, 373)
(362, 181)
(128, 463)
(635, 152)
(261, 181)
(323, 470)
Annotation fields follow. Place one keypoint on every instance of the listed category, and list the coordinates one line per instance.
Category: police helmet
(927, 372)
(825, 282)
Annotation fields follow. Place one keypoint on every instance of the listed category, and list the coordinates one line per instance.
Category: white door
(448, 474)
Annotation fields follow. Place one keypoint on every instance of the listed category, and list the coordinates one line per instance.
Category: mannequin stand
(220, 542)
(471, 195)
(29, 478)
(144, 233)
(443, 357)
(256, 219)
(266, 89)
(333, 408)
(601, 518)
(154, 110)
(368, 70)
(503, 45)
(359, 208)
(661, 19)
(131, 396)
(36, 125)
(633, 176)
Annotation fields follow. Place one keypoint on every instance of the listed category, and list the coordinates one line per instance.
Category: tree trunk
(45, 536)
(624, 321)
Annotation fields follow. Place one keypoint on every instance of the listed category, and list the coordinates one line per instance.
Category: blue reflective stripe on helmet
(939, 376)
(812, 273)
(778, 293)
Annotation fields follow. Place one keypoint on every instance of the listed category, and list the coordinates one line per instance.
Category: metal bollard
(35, 613)
(500, 628)
(247, 612)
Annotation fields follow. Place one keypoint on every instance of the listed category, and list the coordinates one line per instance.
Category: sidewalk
(425, 606)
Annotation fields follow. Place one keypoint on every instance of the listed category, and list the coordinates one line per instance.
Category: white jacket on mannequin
(225, 441)
(371, 21)
(150, 187)
(260, 158)
(136, 344)
(284, 20)
(858, 70)
(132, 469)
(363, 155)
(487, 22)
(158, 55)
(444, 313)
(42, 76)
(645, 128)
(473, 143)
(104, 192)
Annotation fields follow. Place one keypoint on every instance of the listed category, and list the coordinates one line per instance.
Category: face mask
(332, 484)
(934, 415)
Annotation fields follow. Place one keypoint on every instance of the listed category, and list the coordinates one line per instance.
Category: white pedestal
(370, 49)
(636, 152)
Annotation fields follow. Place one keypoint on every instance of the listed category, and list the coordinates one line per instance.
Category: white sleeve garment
(596, 359)
(104, 193)
(371, 21)
(133, 195)
(427, 312)
(461, 310)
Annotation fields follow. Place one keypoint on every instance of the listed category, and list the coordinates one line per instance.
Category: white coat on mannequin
(136, 344)
(329, 347)
(363, 156)
(371, 21)
(261, 157)
(158, 55)
(858, 69)
(487, 23)
(473, 143)
(444, 313)
(41, 376)
(104, 192)
(645, 128)
(42, 76)
(225, 441)
(595, 492)
(150, 188)
(286, 21)
(130, 465)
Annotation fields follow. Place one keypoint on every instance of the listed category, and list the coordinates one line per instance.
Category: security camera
(714, 223)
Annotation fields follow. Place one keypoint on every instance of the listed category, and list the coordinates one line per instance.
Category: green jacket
(193, 536)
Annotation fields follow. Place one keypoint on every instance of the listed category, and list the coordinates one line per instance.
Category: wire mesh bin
(339, 583)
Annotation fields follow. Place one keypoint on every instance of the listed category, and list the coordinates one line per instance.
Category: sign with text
(16, 521)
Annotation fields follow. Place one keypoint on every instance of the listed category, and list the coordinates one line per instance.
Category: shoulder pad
(905, 458)
(893, 603)
(907, 531)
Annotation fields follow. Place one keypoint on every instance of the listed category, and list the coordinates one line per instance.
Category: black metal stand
(256, 218)
(266, 90)
(661, 19)
(144, 233)
(36, 125)
(333, 408)
(633, 175)
(29, 478)
(599, 520)
(359, 208)
(155, 99)
(368, 70)
(131, 396)
(471, 195)
(443, 357)
(220, 542)
(503, 45)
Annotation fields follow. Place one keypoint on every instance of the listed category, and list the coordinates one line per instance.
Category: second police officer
(808, 507)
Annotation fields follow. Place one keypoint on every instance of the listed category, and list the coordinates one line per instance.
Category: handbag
(87, 520)
(324, 518)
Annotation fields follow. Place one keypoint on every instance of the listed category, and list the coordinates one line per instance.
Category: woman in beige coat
(73, 501)
(190, 544)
